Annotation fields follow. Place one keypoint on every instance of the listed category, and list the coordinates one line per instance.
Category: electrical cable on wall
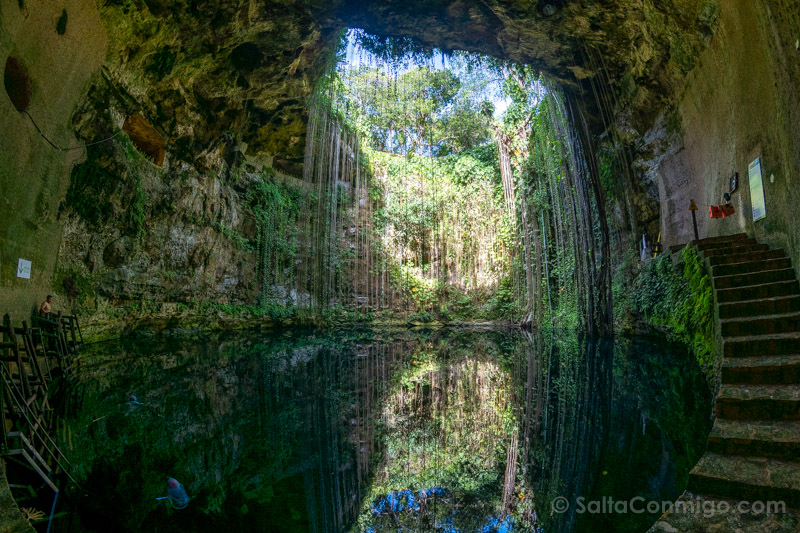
(51, 143)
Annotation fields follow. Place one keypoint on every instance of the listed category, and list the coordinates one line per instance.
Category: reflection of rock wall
(612, 419)
(260, 431)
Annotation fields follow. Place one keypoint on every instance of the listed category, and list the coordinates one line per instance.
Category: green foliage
(447, 224)
(519, 82)
(422, 110)
(276, 207)
(391, 49)
(476, 164)
(136, 211)
(79, 289)
(439, 226)
(699, 311)
(271, 311)
(445, 206)
(549, 173)
(106, 178)
(674, 123)
(681, 301)
(61, 25)
(233, 235)
(424, 317)
(504, 303)
(608, 163)
(162, 62)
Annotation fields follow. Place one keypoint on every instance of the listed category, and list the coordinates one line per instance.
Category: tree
(512, 142)
(425, 111)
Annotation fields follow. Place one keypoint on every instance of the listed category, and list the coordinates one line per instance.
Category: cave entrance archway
(430, 223)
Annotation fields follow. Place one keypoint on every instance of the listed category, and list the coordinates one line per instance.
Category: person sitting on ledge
(46, 308)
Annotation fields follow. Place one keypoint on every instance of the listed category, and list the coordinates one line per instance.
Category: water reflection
(381, 431)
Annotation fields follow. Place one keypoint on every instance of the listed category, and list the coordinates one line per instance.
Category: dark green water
(302, 431)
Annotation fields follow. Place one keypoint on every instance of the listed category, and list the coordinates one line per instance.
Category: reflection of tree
(449, 423)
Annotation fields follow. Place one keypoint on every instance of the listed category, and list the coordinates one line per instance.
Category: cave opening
(445, 186)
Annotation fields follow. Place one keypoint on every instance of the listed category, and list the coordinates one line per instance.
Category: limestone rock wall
(221, 90)
(739, 103)
(33, 174)
(124, 219)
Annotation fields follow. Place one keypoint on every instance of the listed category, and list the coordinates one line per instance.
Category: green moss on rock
(676, 299)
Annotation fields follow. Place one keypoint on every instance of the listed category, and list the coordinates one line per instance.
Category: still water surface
(372, 431)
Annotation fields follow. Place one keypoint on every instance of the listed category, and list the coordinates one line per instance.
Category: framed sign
(24, 269)
(757, 200)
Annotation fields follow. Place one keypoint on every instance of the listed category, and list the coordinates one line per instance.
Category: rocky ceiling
(218, 78)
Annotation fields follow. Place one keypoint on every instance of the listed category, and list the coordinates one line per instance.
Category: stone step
(745, 257)
(761, 345)
(755, 292)
(770, 370)
(754, 448)
(766, 306)
(777, 440)
(759, 402)
(710, 240)
(751, 266)
(753, 278)
(707, 246)
(721, 238)
(760, 325)
(675, 248)
(736, 249)
(747, 478)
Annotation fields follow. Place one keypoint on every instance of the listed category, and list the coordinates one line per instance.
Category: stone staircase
(754, 448)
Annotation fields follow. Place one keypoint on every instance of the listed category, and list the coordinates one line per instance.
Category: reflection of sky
(356, 56)
(407, 501)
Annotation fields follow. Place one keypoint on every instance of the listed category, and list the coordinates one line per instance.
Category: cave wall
(224, 86)
(34, 175)
(154, 209)
(739, 103)
(105, 225)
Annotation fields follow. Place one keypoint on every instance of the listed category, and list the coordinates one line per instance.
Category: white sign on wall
(24, 269)
(757, 200)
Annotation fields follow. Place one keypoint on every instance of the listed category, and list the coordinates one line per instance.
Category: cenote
(399, 265)
(381, 430)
